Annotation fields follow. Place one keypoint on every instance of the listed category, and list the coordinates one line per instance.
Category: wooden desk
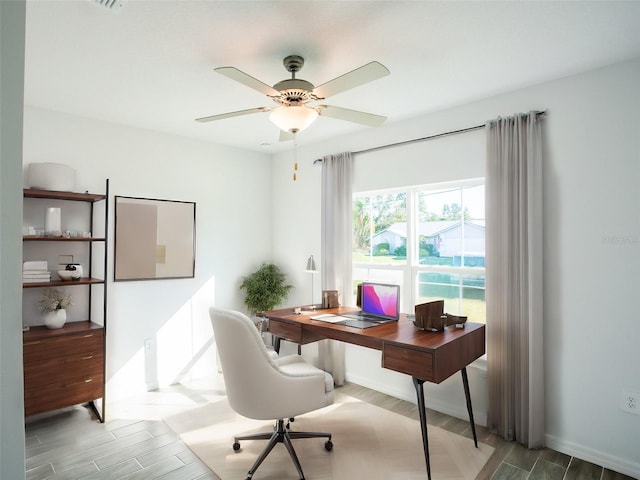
(426, 356)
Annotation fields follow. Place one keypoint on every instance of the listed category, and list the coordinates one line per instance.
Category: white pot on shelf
(55, 319)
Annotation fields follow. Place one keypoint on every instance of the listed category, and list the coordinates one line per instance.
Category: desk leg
(417, 383)
(465, 382)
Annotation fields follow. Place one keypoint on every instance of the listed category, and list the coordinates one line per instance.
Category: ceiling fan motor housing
(294, 91)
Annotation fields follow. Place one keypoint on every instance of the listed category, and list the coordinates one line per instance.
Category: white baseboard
(611, 462)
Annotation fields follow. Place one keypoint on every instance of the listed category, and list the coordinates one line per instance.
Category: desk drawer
(416, 363)
(288, 331)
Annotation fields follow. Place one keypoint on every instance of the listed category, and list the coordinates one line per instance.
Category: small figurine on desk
(430, 316)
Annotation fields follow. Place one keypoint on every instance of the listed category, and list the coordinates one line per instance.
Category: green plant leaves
(265, 288)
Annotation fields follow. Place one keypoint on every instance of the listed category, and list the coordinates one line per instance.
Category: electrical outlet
(631, 402)
(147, 345)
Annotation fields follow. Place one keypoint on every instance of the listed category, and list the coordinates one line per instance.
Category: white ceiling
(150, 65)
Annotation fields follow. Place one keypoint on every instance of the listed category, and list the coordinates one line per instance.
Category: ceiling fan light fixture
(294, 118)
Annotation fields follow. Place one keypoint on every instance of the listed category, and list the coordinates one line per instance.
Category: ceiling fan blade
(239, 76)
(368, 119)
(239, 113)
(365, 74)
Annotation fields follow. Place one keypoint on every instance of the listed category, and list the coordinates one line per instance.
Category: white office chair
(263, 388)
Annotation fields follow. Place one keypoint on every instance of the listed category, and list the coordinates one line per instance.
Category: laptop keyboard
(358, 323)
(363, 316)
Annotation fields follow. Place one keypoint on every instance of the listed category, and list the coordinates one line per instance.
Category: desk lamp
(311, 268)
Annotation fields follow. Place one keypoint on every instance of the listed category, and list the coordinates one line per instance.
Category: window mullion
(409, 293)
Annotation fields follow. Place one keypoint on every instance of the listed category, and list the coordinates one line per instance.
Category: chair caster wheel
(328, 445)
(236, 446)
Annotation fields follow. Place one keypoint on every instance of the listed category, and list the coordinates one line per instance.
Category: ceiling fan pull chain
(295, 156)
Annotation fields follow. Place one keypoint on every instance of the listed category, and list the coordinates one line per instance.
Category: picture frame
(154, 239)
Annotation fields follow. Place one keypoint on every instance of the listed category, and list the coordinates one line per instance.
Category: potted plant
(265, 288)
(53, 306)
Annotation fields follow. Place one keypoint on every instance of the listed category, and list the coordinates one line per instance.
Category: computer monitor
(381, 300)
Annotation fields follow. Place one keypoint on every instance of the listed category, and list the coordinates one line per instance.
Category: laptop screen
(381, 300)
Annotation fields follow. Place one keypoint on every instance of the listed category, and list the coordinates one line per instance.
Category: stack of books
(35, 272)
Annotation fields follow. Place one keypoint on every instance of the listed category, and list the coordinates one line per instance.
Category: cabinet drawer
(46, 348)
(58, 369)
(63, 394)
(416, 363)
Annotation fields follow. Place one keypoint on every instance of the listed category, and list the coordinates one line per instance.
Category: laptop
(380, 304)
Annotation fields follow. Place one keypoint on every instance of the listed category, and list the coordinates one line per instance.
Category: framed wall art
(154, 239)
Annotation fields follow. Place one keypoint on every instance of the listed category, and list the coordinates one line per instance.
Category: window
(428, 239)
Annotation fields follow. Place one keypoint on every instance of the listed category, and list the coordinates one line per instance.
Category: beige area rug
(369, 443)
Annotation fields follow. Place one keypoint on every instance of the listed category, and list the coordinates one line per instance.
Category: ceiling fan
(293, 97)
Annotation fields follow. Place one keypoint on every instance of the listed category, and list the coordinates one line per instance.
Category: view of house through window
(429, 239)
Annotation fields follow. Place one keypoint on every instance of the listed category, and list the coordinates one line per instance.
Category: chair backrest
(257, 387)
(244, 358)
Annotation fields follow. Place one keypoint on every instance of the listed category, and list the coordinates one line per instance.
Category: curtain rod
(422, 139)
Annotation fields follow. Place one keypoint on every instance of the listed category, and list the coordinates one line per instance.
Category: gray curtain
(515, 362)
(336, 248)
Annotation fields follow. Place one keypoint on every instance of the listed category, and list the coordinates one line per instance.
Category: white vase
(55, 319)
(52, 222)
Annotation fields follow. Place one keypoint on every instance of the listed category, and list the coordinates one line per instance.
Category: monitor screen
(381, 299)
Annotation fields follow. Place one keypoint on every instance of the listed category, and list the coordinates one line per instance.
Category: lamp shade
(311, 264)
(293, 118)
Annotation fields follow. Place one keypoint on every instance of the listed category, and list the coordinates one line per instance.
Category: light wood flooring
(136, 444)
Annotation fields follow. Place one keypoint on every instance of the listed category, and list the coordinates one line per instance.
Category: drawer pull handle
(88, 380)
(88, 358)
(32, 343)
(87, 336)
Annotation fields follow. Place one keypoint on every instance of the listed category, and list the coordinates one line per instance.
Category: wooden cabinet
(63, 367)
(66, 366)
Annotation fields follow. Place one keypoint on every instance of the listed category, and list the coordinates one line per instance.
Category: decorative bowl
(69, 274)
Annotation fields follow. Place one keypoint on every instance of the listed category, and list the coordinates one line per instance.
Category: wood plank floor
(72, 444)
(136, 444)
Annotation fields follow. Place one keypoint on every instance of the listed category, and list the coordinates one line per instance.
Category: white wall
(12, 448)
(591, 259)
(233, 236)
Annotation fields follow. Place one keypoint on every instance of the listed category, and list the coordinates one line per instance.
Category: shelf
(40, 238)
(64, 283)
(52, 194)
(67, 366)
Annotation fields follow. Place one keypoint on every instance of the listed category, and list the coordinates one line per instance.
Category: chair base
(281, 434)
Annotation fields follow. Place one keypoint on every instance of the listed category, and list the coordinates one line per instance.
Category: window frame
(411, 268)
